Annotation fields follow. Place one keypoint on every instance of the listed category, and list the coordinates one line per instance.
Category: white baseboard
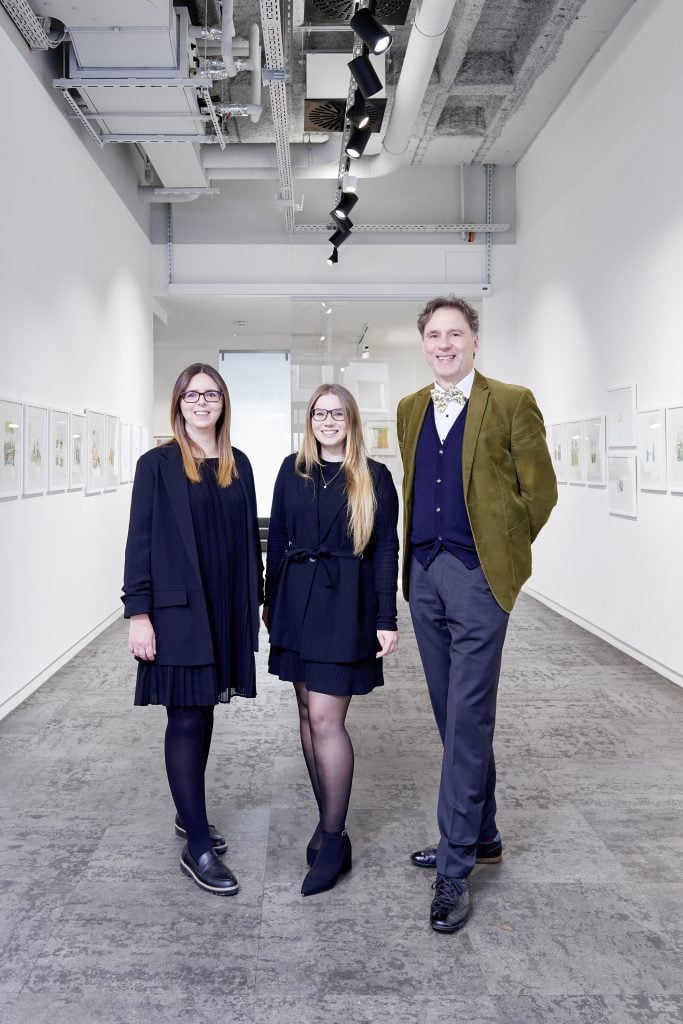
(42, 677)
(632, 652)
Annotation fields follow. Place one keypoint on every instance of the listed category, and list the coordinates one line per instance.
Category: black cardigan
(323, 601)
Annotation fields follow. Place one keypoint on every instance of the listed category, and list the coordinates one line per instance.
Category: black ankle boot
(311, 850)
(333, 860)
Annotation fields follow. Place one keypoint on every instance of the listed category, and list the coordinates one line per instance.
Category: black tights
(328, 753)
(186, 746)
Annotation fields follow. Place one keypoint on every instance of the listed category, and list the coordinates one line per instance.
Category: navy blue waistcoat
(440, 517)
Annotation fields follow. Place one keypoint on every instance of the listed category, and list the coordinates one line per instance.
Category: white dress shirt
(445, 420)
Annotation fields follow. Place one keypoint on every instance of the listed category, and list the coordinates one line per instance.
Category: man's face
(449, 345)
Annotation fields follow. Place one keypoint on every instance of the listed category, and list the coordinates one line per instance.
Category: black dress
(342, 679)
(219, 518)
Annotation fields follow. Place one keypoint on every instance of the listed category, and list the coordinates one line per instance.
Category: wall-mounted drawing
(58, 450)
(35, 449)
(557, 435)
(125, 475)
(621, 417)
(380, 438)
(94, 451)
(674, 442)
(111, 448)
(11, 420)
(371, 395)
(594, 450)
(622, 497)
(575, 452)
(77, 451)
(652, 450)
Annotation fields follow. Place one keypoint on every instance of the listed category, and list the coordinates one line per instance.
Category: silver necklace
(326, 483)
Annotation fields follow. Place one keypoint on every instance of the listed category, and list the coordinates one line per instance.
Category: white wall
(75, 331)
(600, 249)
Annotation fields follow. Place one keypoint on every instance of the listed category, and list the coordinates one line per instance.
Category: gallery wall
(75, 332)
(600, 250)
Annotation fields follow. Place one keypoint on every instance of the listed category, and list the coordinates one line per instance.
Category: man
(478, 487)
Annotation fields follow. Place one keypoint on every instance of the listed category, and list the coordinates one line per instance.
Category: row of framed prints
(50, 450)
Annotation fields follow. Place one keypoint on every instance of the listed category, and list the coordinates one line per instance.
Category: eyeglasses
(193, 396)
(320, 415)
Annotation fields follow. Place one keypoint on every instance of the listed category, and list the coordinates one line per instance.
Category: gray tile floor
(581, 924)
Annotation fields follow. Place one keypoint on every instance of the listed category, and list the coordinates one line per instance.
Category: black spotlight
(367, 27)
(357, 112)
(367, 79)
(358, 140)
(345, 204)
(333, 257)
(339, 237)
(341, 222)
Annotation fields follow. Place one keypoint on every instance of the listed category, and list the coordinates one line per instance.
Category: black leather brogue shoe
(487, 853)
(218, 842)
(451, 906)
(209, 873)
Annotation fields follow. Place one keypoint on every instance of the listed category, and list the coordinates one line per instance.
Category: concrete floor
(581, 924)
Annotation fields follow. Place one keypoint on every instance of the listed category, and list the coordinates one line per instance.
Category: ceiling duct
(329, 115)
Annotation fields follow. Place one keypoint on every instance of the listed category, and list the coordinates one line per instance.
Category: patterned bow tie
(451, 394)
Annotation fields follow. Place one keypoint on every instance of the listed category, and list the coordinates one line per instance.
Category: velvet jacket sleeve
(385, 557)
(533, 465)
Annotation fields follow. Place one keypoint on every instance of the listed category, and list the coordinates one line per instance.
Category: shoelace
(447, 891)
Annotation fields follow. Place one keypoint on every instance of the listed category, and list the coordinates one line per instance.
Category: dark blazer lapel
(418, 411)
(476, 406)
(175, 482)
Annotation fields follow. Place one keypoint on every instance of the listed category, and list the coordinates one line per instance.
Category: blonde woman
(331, 602)
(192, 584)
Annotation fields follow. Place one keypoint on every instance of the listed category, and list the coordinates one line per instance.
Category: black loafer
(451, 906)
(209, 873)
(487, 853)
(218, 843)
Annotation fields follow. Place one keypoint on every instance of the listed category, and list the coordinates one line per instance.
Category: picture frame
(94, 451)
(621, 417)
(652, 453)
(124, 470)
(622, 494)
(35, 449)
(371, 395)
(557, 434)
(594, 450)
(58, 451)
(674, 443)
(575, 452)
(160, 439)
(380, 438)
(77, 451)
(111, 447)
(11, 437)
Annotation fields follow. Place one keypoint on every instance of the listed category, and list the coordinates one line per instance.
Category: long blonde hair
(192, 459)
(360, 494)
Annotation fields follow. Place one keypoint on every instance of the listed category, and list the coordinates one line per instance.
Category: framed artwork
(556, 442)
(124, 473)
(674, 441)
(594, 450)
(58, 450)
(380, 437)
(622, 498)
(371, 395)
(160, 439)
(575, 454)
(621, 417)
(11, 418)
(77, 447)
(35, 449)
(94, 451)
(111, 447)
(652, 450)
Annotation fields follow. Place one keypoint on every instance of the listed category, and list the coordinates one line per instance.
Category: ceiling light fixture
(366, 353)
(339, 237)
(358, 140)
(367, 79)
(345, 205)
(341, 222)
(357, 112)
(349, 183)
(333, 257)
(369, 29)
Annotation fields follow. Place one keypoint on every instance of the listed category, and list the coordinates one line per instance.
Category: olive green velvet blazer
(509, 482)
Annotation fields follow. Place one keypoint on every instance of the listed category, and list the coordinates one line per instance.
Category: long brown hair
(360, 494)
(192, 456)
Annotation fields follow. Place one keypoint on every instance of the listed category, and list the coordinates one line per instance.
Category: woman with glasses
(331, 602)
(192, 587)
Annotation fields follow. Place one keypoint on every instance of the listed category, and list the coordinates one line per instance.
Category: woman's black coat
(323, 601)
(162, 575)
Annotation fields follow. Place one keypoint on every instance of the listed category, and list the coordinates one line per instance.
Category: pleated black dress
(219, 518)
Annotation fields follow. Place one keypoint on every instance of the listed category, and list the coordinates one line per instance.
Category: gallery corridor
(582, 923)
